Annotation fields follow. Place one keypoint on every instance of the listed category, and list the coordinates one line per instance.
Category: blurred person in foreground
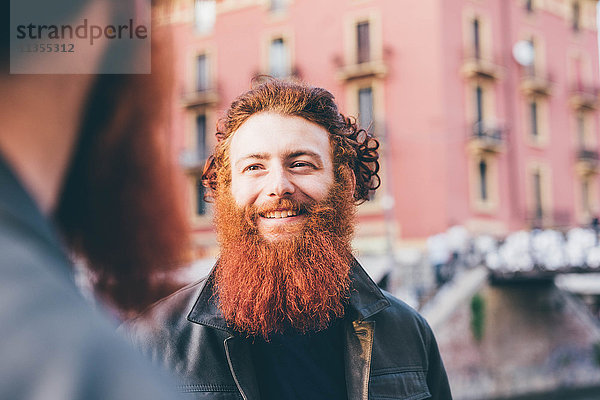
(287, 312)
(82, 172)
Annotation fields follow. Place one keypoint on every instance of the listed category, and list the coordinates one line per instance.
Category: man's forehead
(266, 133)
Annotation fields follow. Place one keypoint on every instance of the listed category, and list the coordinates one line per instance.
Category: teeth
(281, 214)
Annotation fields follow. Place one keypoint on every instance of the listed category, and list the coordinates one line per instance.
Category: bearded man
(287, 312)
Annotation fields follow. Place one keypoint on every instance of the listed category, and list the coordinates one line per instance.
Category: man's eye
(252, 168)
(300, 164)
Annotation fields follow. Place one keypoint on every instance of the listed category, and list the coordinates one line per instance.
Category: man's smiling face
(280, 165)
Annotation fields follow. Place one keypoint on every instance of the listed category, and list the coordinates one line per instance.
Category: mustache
(281, 204)
(253, 212)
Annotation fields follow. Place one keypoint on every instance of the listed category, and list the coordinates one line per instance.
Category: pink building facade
(486, 109)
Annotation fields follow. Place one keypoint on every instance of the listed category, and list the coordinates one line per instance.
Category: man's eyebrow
(299, 153)
(255, 156)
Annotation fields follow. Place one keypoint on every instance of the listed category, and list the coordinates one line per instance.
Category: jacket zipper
(235, 379)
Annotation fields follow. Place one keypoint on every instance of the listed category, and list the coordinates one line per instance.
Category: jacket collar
(17, 206)
(366, 300)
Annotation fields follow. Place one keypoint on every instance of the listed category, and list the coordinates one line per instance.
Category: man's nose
(280, 184)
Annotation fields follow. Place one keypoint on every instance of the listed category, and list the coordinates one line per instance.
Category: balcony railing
(534, 83)
(538, 219)
(587, 161)
(373, 69)
(475, 66)
(486, 137)
(587, 155)
(584, 97)
(201, 97)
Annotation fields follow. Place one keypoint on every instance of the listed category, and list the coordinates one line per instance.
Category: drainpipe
(510, 117)
(388, 200)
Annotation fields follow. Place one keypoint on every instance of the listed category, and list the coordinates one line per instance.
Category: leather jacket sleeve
(437, 380)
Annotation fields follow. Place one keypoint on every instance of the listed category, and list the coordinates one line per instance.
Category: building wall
(423, 74)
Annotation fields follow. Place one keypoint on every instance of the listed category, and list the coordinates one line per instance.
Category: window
(205, 13)
(576, 15)
(202, 73)
(201, 137)
(363, 43)
(537, 195)
(533, 119)
(476, 38)
(277, 6)
(479, 109)
(365, 108)
(585, 196)
(200, 203)
(580, 120)
(529, 5)
(278, 58)
(578, 67)
(531, 67)
(483, 180)
(535, 126)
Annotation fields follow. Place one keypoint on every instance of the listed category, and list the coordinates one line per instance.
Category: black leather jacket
(390, 351)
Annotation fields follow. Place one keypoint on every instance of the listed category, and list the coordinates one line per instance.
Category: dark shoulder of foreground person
(53, 344)
(404, 328)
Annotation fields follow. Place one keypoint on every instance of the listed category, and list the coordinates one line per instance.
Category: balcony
(192, 161)
(543, 219)
(535, 84)
(368, 69)
(201, 98)
(486, 137)
(584, 97)
(292, 74)
(478, 67)
(587, 162)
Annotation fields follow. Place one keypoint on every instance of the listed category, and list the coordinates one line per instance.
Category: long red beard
(300, 284)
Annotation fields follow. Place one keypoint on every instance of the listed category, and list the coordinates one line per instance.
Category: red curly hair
(352, 146)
